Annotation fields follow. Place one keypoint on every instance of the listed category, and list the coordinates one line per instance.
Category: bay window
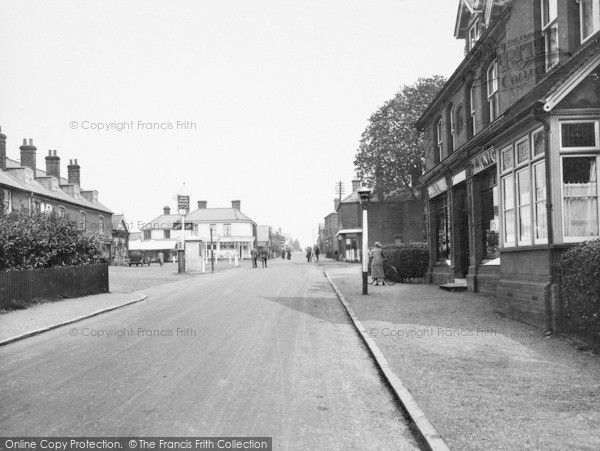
(524, 200)
(539, 198)
(550, 31)
(589, 14)
(492, 90)
(580, 197)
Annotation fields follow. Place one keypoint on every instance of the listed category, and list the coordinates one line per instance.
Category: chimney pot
(73, 173)
(53, 164)
(167, 210)
(30, 142)
(24, 141)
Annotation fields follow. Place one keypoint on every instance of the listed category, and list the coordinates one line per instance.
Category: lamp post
(183, 206)
(364, 194)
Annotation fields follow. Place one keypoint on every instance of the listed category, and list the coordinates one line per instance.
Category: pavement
(246, 352)
(484, 381)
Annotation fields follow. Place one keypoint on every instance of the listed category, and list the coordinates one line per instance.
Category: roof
(218, 215)
(162, 222)
(6, 178)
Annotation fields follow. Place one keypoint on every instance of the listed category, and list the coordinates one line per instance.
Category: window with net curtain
(580, 196)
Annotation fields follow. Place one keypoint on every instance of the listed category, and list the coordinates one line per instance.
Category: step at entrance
(457, 285)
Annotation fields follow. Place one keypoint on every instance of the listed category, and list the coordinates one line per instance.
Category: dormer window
(474, 34)
(589, 13)
(550, 32)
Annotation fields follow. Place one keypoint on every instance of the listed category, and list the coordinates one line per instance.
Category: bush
(44, 241)
(580, 289)
(410, 259)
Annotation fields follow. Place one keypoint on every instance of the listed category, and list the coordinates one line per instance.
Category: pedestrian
(289, 254)
(283, 254)
(254, 257)
(376, 255)
(264, 256)
(317, 252)
(308, 254)
(336, 255)
(161, 258)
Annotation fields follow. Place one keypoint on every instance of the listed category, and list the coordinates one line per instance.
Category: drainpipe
(542, 118)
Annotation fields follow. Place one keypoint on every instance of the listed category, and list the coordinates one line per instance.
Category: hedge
(579, 269)
(410, 259)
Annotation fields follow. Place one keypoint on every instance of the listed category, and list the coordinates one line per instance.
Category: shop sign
(437, 187)
(183, 203)
(460, 177)
(483, 160)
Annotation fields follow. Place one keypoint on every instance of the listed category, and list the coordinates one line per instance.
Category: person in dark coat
(263, 257)
(283, 254)
(377, 263)
(289, 254)
(317, 252)
(308, 254)
(254, 257)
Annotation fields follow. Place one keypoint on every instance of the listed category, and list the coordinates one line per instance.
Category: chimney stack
(2, 151)
(355, 185)
(53, 164)
(73, 172)
(202, 204)
(336, 203)
(28, 155)
(167, 210)
(236, 204)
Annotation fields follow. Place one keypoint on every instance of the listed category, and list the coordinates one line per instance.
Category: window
(589, 13)
(442, 231)
(508, 203)
(101, 225)
(147, 234)
(538, 142)
(507, 158)
(522, 150)
(474, 34)
(550, 32)
(6, 200)
(440, 139)
(167, 234)
(580, 197)
(453, 130)
(61, 212)
(82, 221)
(489, 214)
(581, 135)
(227, 229)
(492, 90)
(539, 212)
(524, 200)
(472, 97)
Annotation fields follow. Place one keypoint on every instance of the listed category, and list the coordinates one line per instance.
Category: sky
(262, 101)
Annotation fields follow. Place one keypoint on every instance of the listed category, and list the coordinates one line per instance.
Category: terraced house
(24, 187)
(513, 148)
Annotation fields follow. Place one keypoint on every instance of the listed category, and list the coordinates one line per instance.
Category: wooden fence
(52, 283)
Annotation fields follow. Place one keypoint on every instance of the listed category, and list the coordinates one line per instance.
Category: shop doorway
(461, 250)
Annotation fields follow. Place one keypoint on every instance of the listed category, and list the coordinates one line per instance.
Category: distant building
(24, 187)
(234, 233)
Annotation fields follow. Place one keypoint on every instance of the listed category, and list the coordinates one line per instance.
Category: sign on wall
(483, 160)
(437, 187)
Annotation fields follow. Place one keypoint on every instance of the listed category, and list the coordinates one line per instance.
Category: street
(245, 352)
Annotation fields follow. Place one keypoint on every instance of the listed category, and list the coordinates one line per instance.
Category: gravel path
(484, 381)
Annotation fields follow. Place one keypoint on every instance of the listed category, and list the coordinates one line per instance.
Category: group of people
(255, 255)
(287, 254)
(312, 254)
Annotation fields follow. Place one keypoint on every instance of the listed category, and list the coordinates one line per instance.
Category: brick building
(513, 143)
(24, 187)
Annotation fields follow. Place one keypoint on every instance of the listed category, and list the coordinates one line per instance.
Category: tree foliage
(44, 241)
(391, 154)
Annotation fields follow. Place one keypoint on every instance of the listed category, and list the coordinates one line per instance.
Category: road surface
(245, 352)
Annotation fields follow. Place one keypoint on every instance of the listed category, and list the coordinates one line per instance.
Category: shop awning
(345, 231)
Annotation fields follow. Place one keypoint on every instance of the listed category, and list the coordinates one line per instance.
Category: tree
(391, 154)
(296, 246)
(44, 241)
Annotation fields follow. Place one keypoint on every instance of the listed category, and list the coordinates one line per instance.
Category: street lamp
(212, 249)
(364, 195)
